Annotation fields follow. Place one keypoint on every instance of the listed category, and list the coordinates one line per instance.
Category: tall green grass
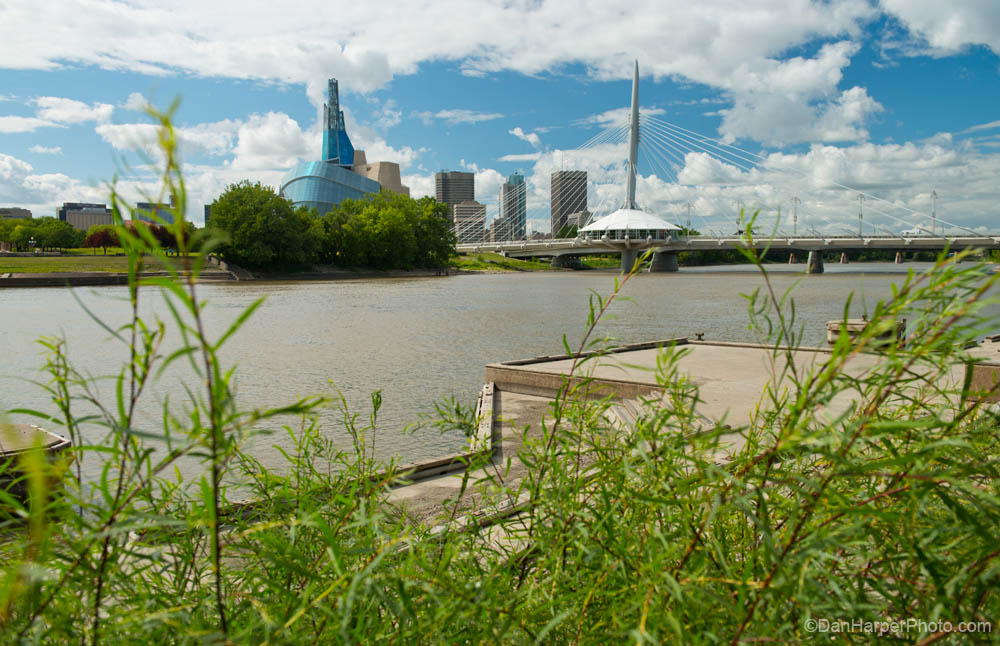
(648, 533)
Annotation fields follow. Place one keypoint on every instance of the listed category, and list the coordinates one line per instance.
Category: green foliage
(387, 230)
(47, 232)
(566, 231)
(262, 229)
(381, 231)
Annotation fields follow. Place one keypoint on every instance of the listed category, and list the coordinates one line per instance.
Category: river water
(419, 340)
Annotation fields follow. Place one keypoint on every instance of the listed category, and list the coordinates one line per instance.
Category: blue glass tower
(326, 183)
(337, 147)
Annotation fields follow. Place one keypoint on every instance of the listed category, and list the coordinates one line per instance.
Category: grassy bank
(488, 261)
(73, 263)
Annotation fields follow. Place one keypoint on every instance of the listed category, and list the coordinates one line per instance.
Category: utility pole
(861, 204)
(934, 212)
(795, 215)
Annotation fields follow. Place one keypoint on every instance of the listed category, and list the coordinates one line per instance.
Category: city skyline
(891, 99)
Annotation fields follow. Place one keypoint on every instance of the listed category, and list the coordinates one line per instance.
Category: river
(419, 340)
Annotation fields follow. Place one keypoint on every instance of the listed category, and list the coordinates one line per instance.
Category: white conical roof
(630, 220)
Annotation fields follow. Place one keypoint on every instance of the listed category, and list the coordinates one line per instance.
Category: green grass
(71, 263)
(495, 262)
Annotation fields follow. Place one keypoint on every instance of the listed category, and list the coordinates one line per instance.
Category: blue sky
(898, 98)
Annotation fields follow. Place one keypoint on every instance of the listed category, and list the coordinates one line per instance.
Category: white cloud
(41, 193)
(136, 102)
(270, 141)
(42, 150)
(944, 28)
(616, 117)
(529, 137)
(520, 157)
(457, 116)
(983, 126)
(62, 110)
(15, 124)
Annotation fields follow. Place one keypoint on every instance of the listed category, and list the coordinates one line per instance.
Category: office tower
(513, 207)
(82, 215)
(454, 187)
(568, 195)
(470, 221)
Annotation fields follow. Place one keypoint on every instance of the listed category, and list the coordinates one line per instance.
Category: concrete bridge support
(815, 263)
(628, 259)
(843, 257)
(792, 259)
(664, 261)
(567, 262)
(899, 257)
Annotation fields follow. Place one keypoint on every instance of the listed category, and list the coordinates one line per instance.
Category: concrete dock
(731, 379)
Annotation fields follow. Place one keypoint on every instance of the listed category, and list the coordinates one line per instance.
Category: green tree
(566, 231)
(23, 234)
(56, 234)
(387, 230)
(264, 230)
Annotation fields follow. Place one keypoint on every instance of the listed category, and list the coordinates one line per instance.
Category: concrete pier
(899, 257)
(815, 263)
(567, 262)
(792, 259)
(629, 257)
(517, 401)
(843, 257)
(664, 261)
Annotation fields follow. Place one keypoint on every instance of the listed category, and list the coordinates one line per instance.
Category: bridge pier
(815, 263)
(899, 257)
(567, 262)
(792, 259)
(843, 257)
(628, 259)
(664, 261)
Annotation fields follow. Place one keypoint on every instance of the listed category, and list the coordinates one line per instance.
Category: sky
(790, 107)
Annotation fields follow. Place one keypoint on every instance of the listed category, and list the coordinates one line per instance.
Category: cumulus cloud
(136, 102)
(40, 192)
(15, 124)
(63, 110)
(944, 28)
(529, 137)
(43, 150)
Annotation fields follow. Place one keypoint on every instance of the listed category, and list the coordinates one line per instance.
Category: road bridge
(562, 250)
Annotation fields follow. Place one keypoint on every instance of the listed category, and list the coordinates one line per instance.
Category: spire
(633, 142)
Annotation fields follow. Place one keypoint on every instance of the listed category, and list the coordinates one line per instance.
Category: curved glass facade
(323, 185)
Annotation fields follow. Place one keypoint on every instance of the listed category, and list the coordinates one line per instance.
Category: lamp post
(31, 243)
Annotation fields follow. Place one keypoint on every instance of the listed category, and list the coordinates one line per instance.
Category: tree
(57, 234)
(101, 235)
(387, 230)
(566, 231)
(264, 230)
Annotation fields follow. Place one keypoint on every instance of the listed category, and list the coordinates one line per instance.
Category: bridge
(562, 251)
(629, 231)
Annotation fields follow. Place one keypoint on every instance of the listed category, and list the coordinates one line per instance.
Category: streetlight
(31, 243)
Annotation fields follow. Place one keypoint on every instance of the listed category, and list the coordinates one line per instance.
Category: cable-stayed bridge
(711, 186)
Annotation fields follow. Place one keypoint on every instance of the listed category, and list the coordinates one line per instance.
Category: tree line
(385, 230)
(45, 233)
